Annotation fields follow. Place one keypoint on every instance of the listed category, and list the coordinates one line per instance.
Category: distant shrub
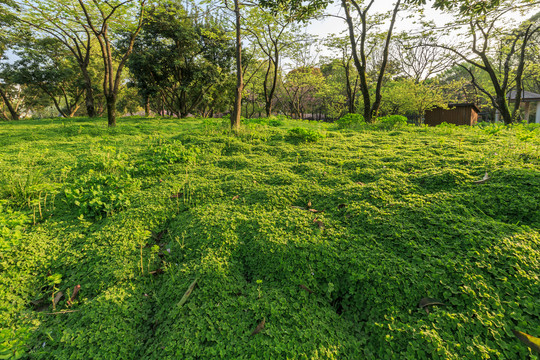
(275, 122)
(304, 135)
(350, 120)
(391, 121)
(446, 125)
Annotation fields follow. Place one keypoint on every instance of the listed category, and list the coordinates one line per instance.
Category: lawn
(301, 241)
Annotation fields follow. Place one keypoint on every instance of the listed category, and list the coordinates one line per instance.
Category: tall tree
(44, 63)
(498, 49)
(237, 108)
(272, 34)
(107, 18)
(181, 59)
(345, 59)
(7, 21)
(61, 19)
(360, 54)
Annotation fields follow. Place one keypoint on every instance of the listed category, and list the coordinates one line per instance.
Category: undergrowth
(328, 237)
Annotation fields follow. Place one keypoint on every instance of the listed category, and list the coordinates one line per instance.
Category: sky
(332, 25)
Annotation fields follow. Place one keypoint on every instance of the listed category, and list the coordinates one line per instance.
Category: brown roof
(526, 96)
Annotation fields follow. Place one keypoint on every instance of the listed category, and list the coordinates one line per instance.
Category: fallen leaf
(75, 291)
(360, 183)
(259, 327)
(298, 207)
(156, 272)
(425, 302)
(236, 197)
(484, 179)
(530, 341)
(57, 298)
(306, 288)
(315, 211)
(319, 223)
(309, 204)
(188, 292)
(176, 196)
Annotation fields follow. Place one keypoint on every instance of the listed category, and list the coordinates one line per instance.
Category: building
(527, 98)
(458, 114)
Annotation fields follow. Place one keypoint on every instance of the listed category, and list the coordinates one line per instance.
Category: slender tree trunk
(235, 117)
(89, 94)
(111, 110)
(12, 111)
(147, 106)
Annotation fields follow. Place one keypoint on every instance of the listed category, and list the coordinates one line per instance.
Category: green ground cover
(135, 214)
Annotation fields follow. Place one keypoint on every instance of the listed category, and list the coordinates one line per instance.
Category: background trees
(182, 61)
(184, 58)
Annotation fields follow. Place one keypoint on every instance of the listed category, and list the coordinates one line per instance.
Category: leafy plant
(350, 120)
(97, 195)
(12, 226)
(391, 121)
(304, 135)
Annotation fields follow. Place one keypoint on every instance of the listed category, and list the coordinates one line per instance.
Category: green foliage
(300, 134)
(350, 121)
(12, 343)
(369, 221)
(96, 195)
(391, 121)
(164, 153)
(12, 226)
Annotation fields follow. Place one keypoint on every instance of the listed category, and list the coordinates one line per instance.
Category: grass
(135, 214)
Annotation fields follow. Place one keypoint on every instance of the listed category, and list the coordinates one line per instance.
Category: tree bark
(360, 61)
(12, 111)
(146, 106)
(89, 93)
(111, 110)
(235, 116)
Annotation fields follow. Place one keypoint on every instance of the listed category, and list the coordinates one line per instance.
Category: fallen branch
(61, 312)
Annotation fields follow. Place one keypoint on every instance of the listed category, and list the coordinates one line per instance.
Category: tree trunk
(235, 116)
(111, 110)
(269, 109)
(12, 111)
(147, 106)
(89, 99)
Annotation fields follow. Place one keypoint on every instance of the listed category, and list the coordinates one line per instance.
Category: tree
(407, 96)
(61, 20)
(105, 18)
(237, 108)
(498, 50)
(181, 59)
(343, 47)
(7, 21)
(418, 61)
(360, 54)
(45, 64)
(300, 87)
(272, 34)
